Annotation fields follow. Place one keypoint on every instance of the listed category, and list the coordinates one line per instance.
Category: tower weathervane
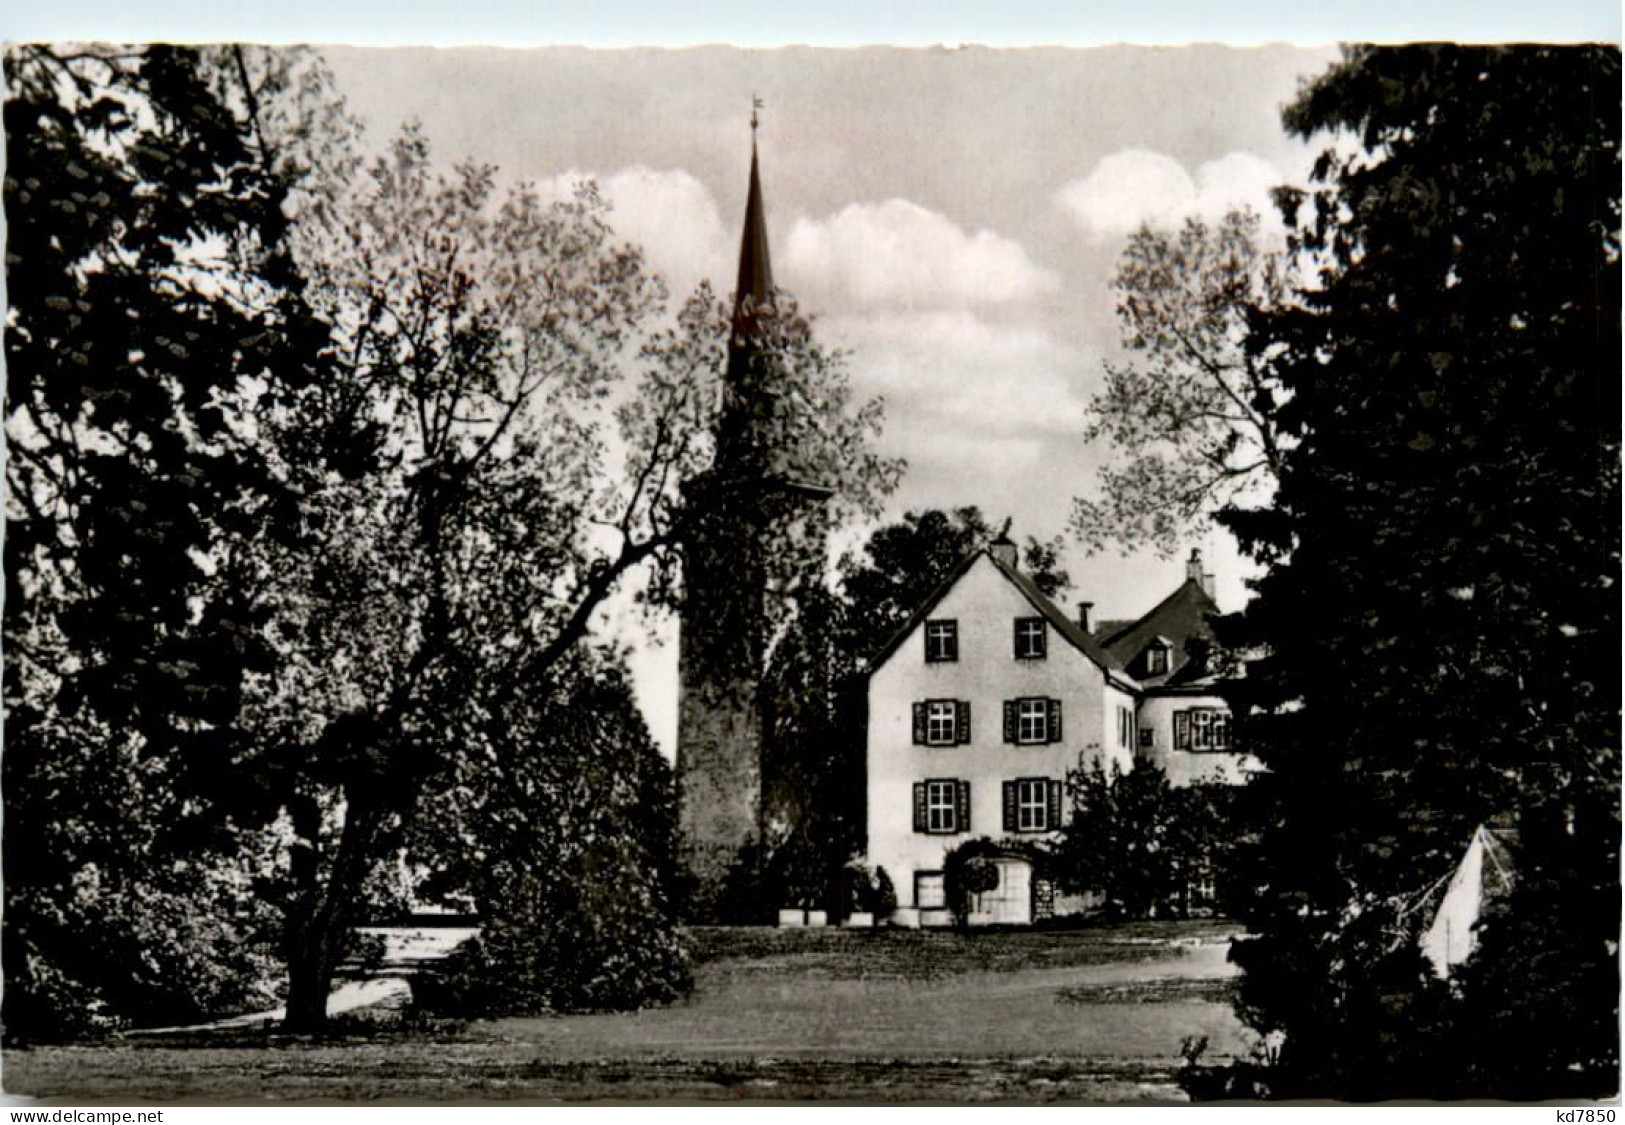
(756, 105)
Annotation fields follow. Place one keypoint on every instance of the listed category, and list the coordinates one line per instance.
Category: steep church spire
(755, 287)
(740, 451)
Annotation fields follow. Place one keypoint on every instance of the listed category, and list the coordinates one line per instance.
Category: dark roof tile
(1181, 616)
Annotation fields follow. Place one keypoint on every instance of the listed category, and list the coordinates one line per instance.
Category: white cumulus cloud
(668, 212)
(902, 255)
(1135, 186)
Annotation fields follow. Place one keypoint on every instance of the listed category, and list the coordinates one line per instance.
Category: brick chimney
(1195, 573)
(1083, 615)
(1004, 549)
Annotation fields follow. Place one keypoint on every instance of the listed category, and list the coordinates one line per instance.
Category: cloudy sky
(952, 216)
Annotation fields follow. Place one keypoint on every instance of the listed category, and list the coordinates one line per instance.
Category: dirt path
(405, 950)
(1094, 1017)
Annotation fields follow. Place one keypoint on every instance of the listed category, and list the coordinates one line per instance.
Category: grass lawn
(1094, 1015)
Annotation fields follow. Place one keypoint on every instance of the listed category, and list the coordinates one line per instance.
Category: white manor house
(983, 702)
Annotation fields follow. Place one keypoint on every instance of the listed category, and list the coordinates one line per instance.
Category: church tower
(724, 621)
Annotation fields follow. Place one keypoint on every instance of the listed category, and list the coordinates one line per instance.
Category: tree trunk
(321, 935)
(310, 980)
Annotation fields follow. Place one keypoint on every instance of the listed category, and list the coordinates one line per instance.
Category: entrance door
(1011, 902)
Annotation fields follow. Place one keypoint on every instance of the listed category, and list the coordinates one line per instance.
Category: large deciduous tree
(444, 470)
(1437, 635)
(1188, 419)
(318, 478)
(506, 434)
(152, 302)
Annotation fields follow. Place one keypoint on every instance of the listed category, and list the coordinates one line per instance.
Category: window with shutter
(941, 722)
(919, 724)
(1055, 720)
(942, 806)
(1182, 730)
(1032, 805)
(964, 722)
(1010, 806)
(1032, 721)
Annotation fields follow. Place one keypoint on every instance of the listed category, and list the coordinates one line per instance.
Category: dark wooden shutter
(1015, 638)
(962, 807)
(1052, 814)
(1011, 817)
(921, 823)
(919, 724)
(962, 721)
(1009, 720)
(1055, 720)
(1182, 730)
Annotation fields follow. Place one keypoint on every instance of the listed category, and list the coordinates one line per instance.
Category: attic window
(1030, 638)
(1156, 660)
(941, 641)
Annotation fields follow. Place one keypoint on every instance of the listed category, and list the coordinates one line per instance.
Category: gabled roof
(1177, 619)
(1062, 624)
(896, 641)
(1065, 626)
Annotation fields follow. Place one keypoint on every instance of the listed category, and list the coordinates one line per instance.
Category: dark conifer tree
(1437, 634)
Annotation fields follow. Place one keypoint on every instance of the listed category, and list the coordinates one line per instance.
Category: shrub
(1148, 848)
(883, 900)
(119, 911)
(795, 872)
(870, 892)
(572, 866)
